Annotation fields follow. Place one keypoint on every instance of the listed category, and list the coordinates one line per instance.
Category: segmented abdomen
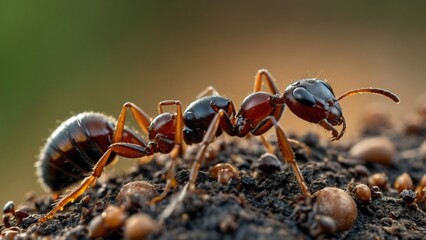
(73, 149)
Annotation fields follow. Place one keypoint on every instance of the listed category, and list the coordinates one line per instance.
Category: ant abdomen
(74, 148)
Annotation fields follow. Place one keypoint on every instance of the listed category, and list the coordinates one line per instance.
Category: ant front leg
(177, 150)
(286, 150)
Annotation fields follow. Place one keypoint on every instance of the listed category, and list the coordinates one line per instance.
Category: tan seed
(136, 187)
(376, 149)
(403, 182)
(363, 193)
(338, 205)
(139, 226)
(113, 216)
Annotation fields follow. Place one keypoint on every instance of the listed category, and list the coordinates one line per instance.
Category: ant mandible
(91, 140)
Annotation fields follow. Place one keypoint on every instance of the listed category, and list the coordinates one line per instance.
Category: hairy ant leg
(142, 119)
(264, 75)
(289, 156)
(177, 150)
(222, 120)
(209, 91)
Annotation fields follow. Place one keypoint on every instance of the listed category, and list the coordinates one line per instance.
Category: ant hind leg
(209, 91)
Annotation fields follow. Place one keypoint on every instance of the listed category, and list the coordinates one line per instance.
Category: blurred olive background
(60, 58)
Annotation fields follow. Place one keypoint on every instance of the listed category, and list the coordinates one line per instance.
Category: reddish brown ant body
(87, 142)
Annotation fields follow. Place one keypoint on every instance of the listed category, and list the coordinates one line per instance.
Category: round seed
(338, 205)
(375, 150)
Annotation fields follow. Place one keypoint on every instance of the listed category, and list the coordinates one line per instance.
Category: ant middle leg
(222, 120)
(177, 150)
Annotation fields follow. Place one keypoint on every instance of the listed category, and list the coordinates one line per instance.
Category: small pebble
(338, 205)
(376, 116)
(139, 226)
(113, 216)
(408, 196)
(413, 124)
(97, 227)
(224, 172)
(380, 180)
(362, 192)
(136, 187)
(376, 150)
(421, 189)
(422, 150)
(362, 170)
(269, 163)
(403, 182)
(228, 224)
(9, 234)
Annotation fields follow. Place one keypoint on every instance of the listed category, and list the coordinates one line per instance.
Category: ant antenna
(378, 91)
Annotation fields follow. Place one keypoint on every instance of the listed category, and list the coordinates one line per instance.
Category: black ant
(86, 143)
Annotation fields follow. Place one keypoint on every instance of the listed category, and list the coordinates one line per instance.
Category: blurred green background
(60, 58)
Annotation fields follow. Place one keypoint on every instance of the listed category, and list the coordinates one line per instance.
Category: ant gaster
(86, 143)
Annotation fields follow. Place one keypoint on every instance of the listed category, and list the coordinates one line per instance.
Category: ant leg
(209, 91)
(264, 74)
(285, 149)
(176, 151)
(128, 150)
(300, 145)
(269, 81)
(220, 119)
(289, 156)
(267, 145)
(142, 119)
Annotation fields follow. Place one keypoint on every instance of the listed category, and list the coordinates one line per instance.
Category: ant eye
(304, 97)
(327, 86)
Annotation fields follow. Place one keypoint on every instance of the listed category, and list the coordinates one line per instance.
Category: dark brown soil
(259, 205)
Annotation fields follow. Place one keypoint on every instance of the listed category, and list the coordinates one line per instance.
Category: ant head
(313, 100)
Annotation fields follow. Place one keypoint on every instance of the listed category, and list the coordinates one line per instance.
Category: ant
(86, 143)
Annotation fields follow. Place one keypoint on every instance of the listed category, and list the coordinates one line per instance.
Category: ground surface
(259, 205)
